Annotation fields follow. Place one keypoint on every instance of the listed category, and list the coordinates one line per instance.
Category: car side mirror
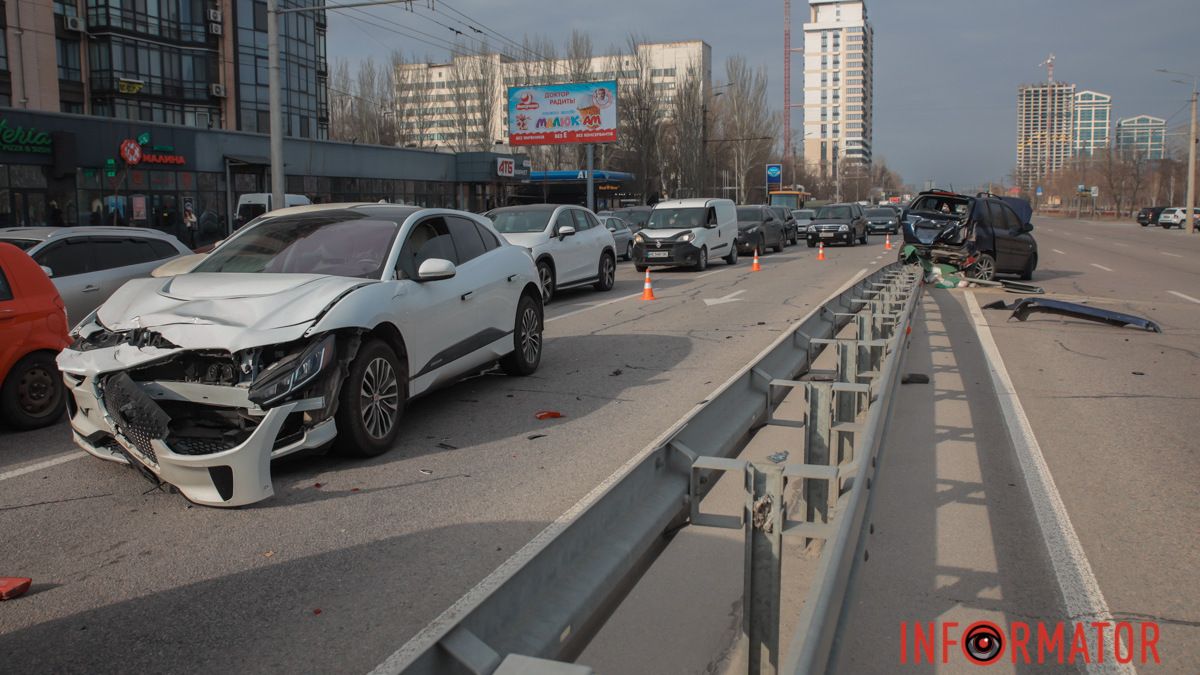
(48, 272)
(1027, 227)
(435, 269)
(565, 231)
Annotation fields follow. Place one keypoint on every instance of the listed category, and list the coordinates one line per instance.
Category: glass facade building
(1093, 119)
(1142, 135)
(303, 69)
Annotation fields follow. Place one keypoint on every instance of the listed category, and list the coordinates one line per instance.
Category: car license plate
(658, 254)
(827, 235)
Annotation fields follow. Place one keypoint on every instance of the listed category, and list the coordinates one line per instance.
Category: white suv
(1173, 217)
(568, 244)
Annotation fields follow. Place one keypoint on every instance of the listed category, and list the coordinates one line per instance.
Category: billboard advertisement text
(582, 112)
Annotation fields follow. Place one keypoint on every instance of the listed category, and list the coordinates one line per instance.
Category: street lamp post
(1190, 201)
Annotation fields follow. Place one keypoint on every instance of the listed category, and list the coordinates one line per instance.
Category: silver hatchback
(88, 264)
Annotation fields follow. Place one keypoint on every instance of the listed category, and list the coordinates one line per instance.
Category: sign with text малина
(580, 112)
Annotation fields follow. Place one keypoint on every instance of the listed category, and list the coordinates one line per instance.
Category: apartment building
(838, 75)
(196, 63)
(1142, 135)
(462, 105)
(1091, 122)
(1045, 122)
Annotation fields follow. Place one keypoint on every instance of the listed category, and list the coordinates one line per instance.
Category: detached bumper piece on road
(668, 253)
(1021, 309)
(172, 422)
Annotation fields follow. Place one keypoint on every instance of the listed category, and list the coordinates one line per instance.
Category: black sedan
(1149, 215)
(883, 220)
(758, 228)
(845, 223)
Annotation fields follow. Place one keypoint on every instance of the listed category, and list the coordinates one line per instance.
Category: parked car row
(1167, 217)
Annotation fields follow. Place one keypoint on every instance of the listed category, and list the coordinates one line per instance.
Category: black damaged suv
(986, 234)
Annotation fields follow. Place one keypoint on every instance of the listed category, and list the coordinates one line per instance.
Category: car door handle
(511, 277)
(90, 288)
(467, 295)
(7, 313)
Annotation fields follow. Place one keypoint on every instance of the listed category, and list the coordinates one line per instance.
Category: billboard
(581, 112)
(774, 174)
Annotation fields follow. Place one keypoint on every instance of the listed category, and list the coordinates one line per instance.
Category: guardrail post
(818, 430)
(848, 403)
(764, 560)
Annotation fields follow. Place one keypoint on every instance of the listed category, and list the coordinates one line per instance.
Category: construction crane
(1049, 64)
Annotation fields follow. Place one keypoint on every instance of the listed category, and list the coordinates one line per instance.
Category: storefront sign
(20, 139)
(126, 86)
(157, 158)
(131, 152)
(581, 112)
(139, 207)
(505, 167)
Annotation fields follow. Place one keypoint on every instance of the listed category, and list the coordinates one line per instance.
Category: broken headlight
(292, 372)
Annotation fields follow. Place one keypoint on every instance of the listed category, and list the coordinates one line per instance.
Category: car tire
(378, 379)
(702, 261)
(641, 269)
(851, 241)
(1027, 273)
(762, 244)
(606, 272)
(527, 339)
(546, 280)
(812, 244)
(629, 251)
(984, 268)
(782, 242)
(33, 393)
(732, 258)
(865, 240)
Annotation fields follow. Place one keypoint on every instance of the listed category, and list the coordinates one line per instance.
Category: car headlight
(843, 228)
(638, 238)
(87, 320)
(687, 236)
(289, 374)
(891, 222)
(750, 230)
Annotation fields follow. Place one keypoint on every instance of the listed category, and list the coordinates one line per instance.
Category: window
(66, 258)
(490, 241)
(581, 221)
(162, 249)
(466, 238)
(5, 290)
(429, 239)
(68, 60)
(111, 252)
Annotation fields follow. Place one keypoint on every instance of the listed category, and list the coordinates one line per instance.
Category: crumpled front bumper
(229, 477)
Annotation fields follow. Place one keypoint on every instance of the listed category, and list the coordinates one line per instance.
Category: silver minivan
(88, 264)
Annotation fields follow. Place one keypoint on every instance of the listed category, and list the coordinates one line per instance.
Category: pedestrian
(56, 215)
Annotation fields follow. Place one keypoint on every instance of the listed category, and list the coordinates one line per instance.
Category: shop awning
(248, 159)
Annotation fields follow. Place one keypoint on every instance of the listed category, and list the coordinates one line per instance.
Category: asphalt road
(352, 558)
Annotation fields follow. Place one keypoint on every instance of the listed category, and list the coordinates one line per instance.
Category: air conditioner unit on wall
(74, 23)
(217, 90)
(214, 29)
(214, 15)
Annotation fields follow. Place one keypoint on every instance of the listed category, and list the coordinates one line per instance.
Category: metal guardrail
(551, 597)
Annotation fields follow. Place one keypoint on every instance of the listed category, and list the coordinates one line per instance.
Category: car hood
(228, 303)
(830, 221)
(662, 234)
(526, 239)
(747, 224)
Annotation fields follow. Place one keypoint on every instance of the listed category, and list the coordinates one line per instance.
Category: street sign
(1081, 188)
(1039, 191)
(774, 174)
(110, 167)
(1095, 191)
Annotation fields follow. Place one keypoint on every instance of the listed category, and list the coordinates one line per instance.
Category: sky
(946, 71)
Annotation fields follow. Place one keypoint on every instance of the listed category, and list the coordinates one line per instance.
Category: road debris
(915, 378)
(14, 587)
(447, 446)
(616, 372)
(317, 485)
(548, 414)
(778, 457)
(1021, 309)
(534, 437)
(427, 472)
(269, 554)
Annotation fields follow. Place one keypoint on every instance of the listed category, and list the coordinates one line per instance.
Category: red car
(33, 329)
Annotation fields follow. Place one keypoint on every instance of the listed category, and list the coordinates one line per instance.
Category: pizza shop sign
(20, 139)
(139, 151)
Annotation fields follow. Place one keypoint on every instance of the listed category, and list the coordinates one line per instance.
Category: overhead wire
(472, 23)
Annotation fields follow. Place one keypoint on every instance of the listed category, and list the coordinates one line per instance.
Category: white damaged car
(310, 326)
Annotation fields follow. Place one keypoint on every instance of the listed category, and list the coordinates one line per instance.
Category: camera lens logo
(983, 643)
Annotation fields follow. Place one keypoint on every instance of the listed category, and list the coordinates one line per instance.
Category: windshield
(881, 213)
(789, 200)
(510, 222)
(749, 213)
(951, 205)
(833, 213)
(803, 213)
(23, 244)
(336, 246)
(676, 219)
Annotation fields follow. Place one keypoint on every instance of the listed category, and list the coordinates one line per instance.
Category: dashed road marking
(1058, 251)
(1184, 296)
(595, 306)
(1117, 243)
(708, 274)
(1173, 255)
(53, 461)
(1090, 238)
(1101, 267)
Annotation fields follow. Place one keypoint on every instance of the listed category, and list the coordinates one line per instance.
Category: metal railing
(554, 594)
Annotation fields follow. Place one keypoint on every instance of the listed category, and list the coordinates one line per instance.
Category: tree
(476, 80)
(641, 120)
(746, 122)
(579, 69)
(684, 138)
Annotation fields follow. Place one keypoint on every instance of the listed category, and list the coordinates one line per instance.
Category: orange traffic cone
(647, 289)
(820, 250)
(756, 267)
(887, 241)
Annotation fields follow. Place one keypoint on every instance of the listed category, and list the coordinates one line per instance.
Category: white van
(254, 204)
(687, 232)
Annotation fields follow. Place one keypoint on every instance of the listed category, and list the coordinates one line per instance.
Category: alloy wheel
(35, 391)
(379, 397)
(547, 278)
(531, 335)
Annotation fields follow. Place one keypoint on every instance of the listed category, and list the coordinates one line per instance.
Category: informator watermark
(984, 642)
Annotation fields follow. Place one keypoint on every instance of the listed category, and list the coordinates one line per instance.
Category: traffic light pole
(275, 96)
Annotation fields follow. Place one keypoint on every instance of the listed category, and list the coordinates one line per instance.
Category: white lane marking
(53, 461)
(1101, 267)
(1173, 255)
(732, 297)
(1058, 251)
(1184, 296)
(436, 630)
(1117, 243)
(1090, 238)
(1080, 591)
(709, 274)
(595, 306)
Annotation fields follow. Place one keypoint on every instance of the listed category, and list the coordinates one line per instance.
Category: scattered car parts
(1021, 309)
